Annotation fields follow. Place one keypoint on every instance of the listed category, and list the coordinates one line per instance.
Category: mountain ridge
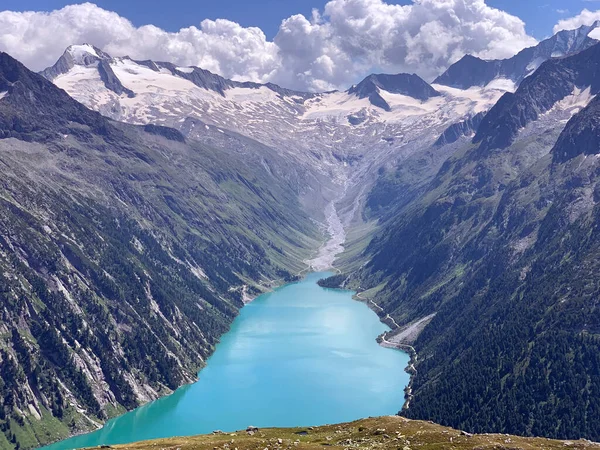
(553, 81)
(501, 247)
(472, 71)
(89, 55)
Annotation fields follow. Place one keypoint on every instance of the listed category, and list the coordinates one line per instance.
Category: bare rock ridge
(471, 71)
(89, 56)
(555, 80)
(404, 84)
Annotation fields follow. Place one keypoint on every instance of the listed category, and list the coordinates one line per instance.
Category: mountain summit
(34, 110)
(402, 83)
(86, 55)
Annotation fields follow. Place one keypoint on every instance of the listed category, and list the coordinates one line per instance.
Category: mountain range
(472, 71)
(131, 189)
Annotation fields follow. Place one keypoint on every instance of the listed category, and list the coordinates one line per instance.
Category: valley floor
(391, 432)
(334, 244)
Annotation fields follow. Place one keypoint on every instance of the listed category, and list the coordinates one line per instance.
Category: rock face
(404, 84)
(554, 81)
(166, 132)
(581, 136)
(466, 127)
(33, 109)
(472, 71)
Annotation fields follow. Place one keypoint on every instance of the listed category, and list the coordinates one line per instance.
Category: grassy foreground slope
(390, 432)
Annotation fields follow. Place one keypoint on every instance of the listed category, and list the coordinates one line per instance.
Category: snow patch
(78, 52)
(246, 95)
(502, 84)
(336, 104)
(185, 69)
(595, 34)
(534, 65)
(3, 94)
(575, 102)
(85, 85)
(142, 80)
(473, 100)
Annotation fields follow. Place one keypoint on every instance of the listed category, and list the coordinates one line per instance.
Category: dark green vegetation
(504, 245)
(125, 253)
(333, 282)
(382, 433)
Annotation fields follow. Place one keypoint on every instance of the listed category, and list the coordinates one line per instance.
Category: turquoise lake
(298, 356)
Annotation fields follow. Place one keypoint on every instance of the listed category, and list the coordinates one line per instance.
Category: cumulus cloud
(39, 38)
(586, 17)
(330, 49)
(425, 37)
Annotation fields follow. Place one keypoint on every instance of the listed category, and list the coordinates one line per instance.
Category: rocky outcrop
(581, 136)
(454, 132)
(402, 83)
(552, 82)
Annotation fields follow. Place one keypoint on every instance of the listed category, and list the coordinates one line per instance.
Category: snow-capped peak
(80, 53)
(383, 111)
(402, 83)
(75, 55)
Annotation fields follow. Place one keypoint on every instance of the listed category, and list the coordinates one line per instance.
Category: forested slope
(124, 255)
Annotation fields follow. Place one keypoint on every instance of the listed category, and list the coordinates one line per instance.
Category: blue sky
(539, 15)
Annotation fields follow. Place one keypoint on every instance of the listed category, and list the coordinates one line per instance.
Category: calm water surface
(299, 356)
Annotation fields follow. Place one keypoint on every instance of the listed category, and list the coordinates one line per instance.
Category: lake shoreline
(410, 368)
(323, 307)
(321, 264)
(411, 331)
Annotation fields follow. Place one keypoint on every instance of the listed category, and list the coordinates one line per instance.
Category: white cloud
(331, 49)
(586, 17)
(38, 39)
